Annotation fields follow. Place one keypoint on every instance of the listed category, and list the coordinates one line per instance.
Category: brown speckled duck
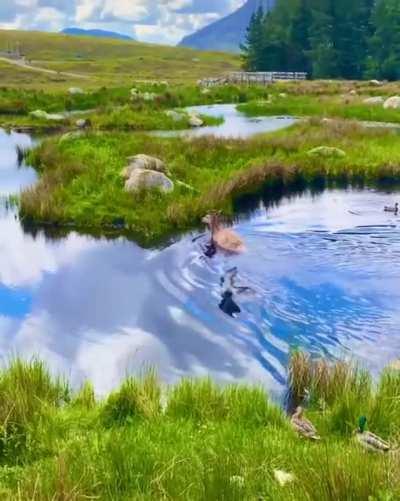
(223, 238)
(303, 426)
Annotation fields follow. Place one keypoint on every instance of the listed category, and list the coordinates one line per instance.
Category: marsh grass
(207, 442)
(27, 392)
(81, 186)
(113, 108)
(326, 106)
(134, 399)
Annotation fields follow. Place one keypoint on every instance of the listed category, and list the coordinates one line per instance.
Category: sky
(162, 21)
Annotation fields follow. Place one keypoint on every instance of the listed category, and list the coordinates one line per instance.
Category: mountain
(95, 33)
(227, 33)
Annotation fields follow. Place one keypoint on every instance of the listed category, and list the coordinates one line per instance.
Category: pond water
(235, 125)
(321, 272)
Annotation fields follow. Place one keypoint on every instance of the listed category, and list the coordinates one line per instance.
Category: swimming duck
(223, 238)
(228, 305)
(368, 440)
(394, 209)
(303, 426)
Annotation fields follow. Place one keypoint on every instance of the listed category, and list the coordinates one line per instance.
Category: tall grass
(27, 392)
(308, 105)
(207, 442)
(113, 108)
(81, 185)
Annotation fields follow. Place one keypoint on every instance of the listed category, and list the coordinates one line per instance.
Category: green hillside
(106, 61)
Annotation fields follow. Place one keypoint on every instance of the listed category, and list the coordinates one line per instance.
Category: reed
(195, 440)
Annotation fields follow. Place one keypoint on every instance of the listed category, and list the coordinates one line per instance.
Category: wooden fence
(253, 78)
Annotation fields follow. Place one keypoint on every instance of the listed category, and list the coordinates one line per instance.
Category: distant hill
(107, 62)
(95, 33)
(227, 33)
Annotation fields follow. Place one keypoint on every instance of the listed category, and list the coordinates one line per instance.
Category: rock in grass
(392, 103)
(374, 100)
(376, 83)
(176, 116)
(148, 96)
(195, 121)
(327, 152)
(283, 478)
(144, 162)
(83, 123)
(75, 91)
(143, 179)
(46, 116)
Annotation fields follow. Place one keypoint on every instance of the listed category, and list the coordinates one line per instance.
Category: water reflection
(236, 124)
(13, 175)
(321, 272)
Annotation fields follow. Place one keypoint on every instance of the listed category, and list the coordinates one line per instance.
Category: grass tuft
(211, 442)
(135, 399)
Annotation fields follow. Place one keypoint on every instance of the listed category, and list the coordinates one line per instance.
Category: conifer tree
(385, 43)
(299, 38)
(253, 47)
(351, 39)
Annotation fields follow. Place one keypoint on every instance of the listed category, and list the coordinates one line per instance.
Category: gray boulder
(392, 103)
(75, 90)
(142, 179)
(195, 121)
(144, 162)
(46, 116)
(176, 116)
(83, 123)
(374, 100)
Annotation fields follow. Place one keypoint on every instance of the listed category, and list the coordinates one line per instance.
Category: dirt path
(22, 64)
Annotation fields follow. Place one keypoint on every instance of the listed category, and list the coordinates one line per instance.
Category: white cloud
(165, 21)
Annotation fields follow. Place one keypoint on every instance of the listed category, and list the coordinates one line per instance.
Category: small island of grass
(81, 185)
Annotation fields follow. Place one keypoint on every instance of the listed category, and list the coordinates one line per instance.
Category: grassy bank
(115, 107)
(351, 107)
(81, 185)
(195, 440)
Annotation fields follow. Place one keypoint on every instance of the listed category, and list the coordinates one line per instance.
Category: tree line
(351, 39)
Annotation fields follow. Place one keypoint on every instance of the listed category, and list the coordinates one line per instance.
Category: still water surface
(321, 272)
(235, 125)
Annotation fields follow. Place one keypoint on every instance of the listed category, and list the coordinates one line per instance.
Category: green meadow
(195, 440)
(80, 182)
(105, 62)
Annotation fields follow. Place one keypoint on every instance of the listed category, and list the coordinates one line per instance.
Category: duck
(369, 440)
(223, 238)
(394, 209)
(228, 305)
(303, 426)
(229, 282)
